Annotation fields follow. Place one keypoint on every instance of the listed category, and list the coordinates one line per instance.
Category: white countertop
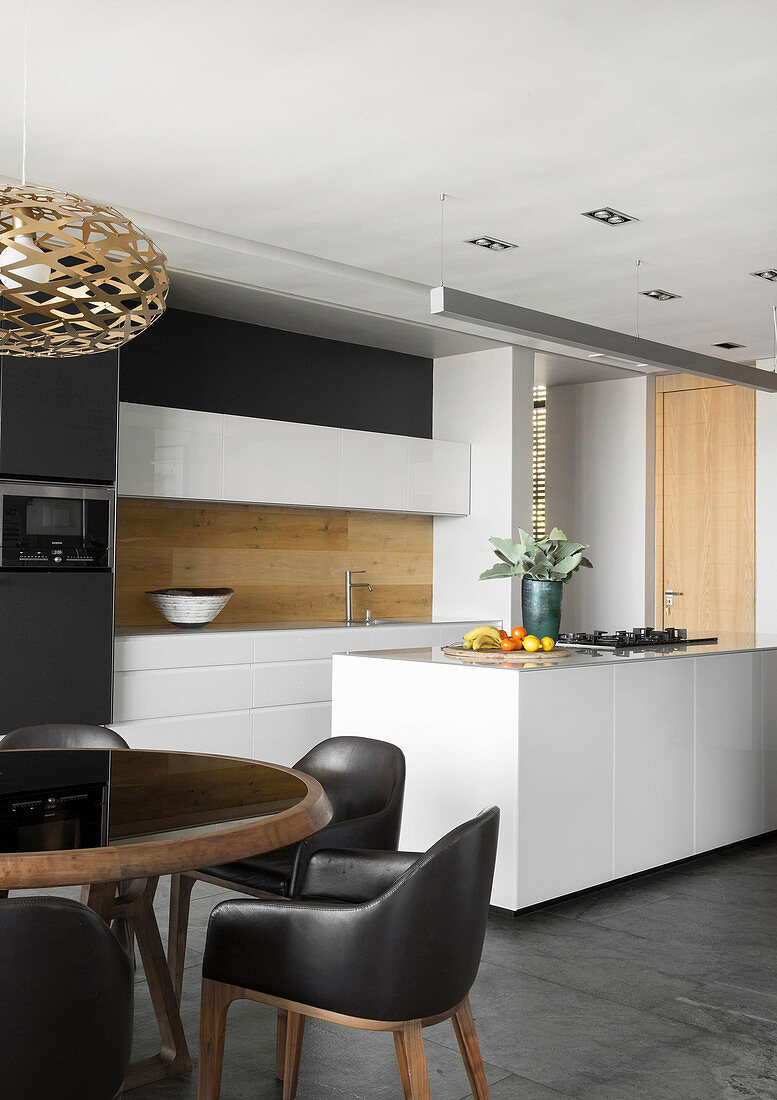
(728, 643)
(298, 624)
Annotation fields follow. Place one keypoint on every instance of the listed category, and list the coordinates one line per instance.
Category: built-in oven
(56, 527)
(53, 801)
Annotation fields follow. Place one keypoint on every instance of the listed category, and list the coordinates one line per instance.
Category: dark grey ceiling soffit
(550, 333)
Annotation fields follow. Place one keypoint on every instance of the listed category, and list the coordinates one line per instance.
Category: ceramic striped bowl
(190, 607)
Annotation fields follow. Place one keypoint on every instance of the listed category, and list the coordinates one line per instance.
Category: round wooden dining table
(163, 813)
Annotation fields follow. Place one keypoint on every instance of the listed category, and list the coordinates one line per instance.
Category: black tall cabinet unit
(58, 424)
(58, 418)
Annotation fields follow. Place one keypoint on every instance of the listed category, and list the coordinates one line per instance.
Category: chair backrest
(63, 737)
(65, 1001)
(360, 775)
(430, 925)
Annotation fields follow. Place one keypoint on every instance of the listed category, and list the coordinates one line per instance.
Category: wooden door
(705, 497)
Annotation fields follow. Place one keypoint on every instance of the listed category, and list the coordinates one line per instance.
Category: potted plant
(544, 566)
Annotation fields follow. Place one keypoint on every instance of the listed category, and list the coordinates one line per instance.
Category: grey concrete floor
(664, 988)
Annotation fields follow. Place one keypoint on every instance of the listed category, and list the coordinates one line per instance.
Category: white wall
(484, 398)
(598, 474)
(765, 507)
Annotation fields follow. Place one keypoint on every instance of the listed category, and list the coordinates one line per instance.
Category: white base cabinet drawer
(225, 734)
(309, 645)
(281, 735)
(292, 682)
(154, 652)
(168, 692)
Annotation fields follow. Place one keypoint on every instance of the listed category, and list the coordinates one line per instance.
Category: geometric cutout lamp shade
(75, 277)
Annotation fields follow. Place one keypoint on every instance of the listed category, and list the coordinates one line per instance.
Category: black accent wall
(195, 361)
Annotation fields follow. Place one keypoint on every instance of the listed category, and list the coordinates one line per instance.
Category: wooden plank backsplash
(284, 563)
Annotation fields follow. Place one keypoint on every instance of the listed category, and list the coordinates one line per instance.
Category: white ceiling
(327, 131)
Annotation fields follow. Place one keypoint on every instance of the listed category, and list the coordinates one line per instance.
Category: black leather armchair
(65, 1002)
(365, 782)
(386, 941)
(62, 736)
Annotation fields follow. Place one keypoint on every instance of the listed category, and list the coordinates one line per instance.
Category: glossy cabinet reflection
(185, 455)
(269, 461)
(173, 453)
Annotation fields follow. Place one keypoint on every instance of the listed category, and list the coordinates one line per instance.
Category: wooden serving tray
(498, 657)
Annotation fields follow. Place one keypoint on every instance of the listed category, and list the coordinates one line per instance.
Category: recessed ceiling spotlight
(770, 274)
(492, 243)
(728, 345)
(609, 216)
(660, 295)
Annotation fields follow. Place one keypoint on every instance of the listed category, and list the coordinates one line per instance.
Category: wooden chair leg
(409, 1045)
(216, 999)
(280, 1043)
(295, 1031)
(181, 887)
(467, 1037)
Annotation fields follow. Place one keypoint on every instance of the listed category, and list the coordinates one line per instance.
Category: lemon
(531, 643)
(547, 644)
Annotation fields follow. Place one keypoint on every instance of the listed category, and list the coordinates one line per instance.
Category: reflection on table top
(168, 811)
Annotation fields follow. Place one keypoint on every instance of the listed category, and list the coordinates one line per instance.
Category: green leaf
(570, 564)
(506, 549)
(526, 538)
(570, 548)
(586, 564)
(558, 535)
(496, 571)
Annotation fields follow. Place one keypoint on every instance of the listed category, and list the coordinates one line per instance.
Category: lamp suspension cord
(442, 238)
(774, 319)
(636, 299)
(24, 91)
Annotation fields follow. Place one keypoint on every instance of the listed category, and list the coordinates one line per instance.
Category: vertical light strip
(538, 447)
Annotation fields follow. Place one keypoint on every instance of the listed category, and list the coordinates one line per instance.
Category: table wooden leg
(135, 903)
(101, 897)
(173, 1057)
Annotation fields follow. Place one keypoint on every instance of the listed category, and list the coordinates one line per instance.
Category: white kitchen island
(603, 765)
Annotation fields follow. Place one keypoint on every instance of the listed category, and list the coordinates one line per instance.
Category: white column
(484, 398)
(598, 468)
(765, 506)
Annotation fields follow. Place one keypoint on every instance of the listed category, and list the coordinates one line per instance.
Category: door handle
(671, 592)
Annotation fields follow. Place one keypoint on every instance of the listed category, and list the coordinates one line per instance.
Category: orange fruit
(507, 644)
(531, 643)
(547, 644)
(519, 632)
(503, 634)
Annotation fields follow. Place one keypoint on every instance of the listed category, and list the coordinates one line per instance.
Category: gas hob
(636, 638)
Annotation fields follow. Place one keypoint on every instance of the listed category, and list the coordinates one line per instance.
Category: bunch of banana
(483, 637)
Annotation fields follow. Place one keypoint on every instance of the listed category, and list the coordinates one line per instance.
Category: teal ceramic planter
(541, 607)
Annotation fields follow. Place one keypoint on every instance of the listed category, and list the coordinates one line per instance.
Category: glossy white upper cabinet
(274, 462)
(169, 452)
(438, 477)
(188, 455)
(374, 470)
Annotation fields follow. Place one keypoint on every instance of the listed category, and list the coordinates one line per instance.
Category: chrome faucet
(349, 587)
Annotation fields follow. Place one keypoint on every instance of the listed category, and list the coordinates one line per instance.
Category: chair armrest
(374, 831)
(354, 875)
